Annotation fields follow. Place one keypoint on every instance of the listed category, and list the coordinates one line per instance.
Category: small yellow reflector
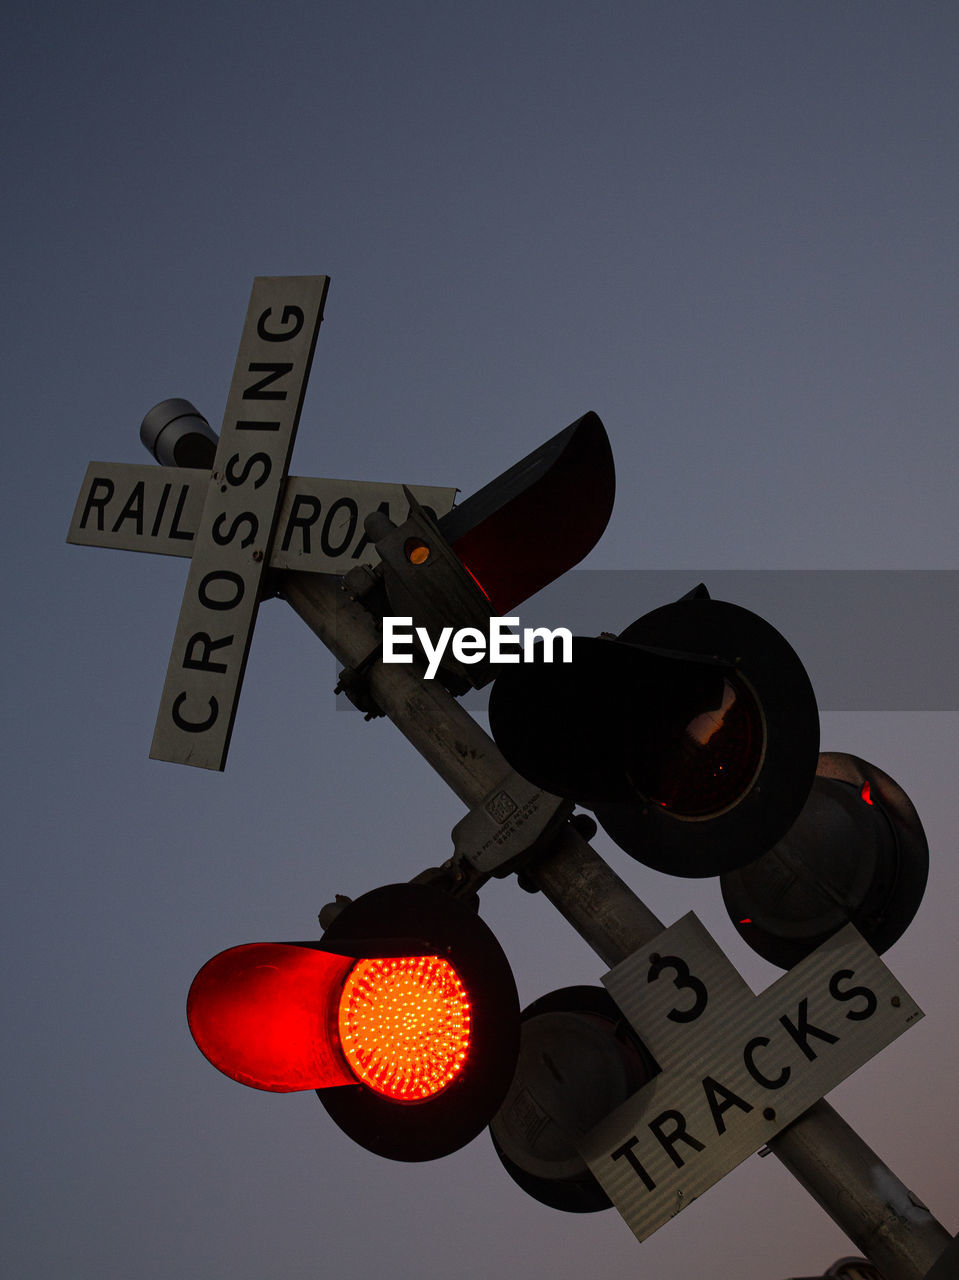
(404, 1025)
(417, 552)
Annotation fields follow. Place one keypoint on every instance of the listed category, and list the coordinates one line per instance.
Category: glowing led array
(404, 1025)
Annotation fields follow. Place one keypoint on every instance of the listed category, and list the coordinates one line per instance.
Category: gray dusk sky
(731, 229)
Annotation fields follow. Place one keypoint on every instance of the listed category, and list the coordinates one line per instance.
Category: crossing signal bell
(178, 435)
(403, 1017)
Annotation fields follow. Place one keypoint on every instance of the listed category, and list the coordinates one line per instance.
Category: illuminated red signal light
(264, 1014)
(403, 1017)
(404, 1025)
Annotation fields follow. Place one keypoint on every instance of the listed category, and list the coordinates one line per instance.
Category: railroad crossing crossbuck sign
(734, 1069)
(246, 517)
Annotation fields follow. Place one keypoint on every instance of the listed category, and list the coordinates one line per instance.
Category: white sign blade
(139, 507)
(235, 533)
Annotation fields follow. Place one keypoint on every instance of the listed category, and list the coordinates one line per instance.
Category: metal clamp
(508, 827)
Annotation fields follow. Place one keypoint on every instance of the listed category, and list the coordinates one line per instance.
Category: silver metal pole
(882, 1217)
(858, 1191)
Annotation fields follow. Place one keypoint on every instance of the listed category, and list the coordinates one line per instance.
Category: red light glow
(866, 793)
(477, 581)
(259, 1013)
(404, 1025)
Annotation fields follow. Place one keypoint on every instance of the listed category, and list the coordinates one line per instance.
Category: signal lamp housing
(499, 546)
(403, 1017)
(578, 1061)
(857, 855)
(538, 519)
(693, 735)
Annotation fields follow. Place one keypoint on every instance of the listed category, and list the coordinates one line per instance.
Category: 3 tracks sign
(736, 1068)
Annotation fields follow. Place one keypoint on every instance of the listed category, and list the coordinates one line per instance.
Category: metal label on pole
(743, 1076)
(235, 533)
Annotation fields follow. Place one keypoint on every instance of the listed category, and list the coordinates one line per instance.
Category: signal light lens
(417, 552)
(404, 1025)
(433, 1125)
(701, 758)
